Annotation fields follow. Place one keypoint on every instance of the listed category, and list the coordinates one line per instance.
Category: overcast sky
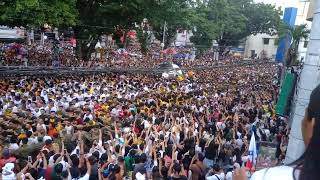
(282, 3)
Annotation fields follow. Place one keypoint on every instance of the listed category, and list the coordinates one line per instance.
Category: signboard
(9, 33)
(267, 155)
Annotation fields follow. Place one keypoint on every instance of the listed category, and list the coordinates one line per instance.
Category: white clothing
(85, 177)
(221, 125)
(13, 146)
(65, 165)
(32, 141)
(140, 176)
(11, 176)
(229, 175)
(15, 109)
(198, 149)
(280, 172)
(239, 143)
(216, 177)
(146, 124)
(46, 138)
(75, 150)
(90, 117)
(69, 129)
(51, 161)
(7, 172)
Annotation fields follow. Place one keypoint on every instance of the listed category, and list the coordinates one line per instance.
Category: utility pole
(164, 33)
(309, 79)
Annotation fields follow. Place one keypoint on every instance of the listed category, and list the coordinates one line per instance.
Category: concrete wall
(256, 43)
(309, 79)
(311, 10)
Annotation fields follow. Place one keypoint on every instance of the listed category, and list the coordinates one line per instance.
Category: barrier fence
(38, 70)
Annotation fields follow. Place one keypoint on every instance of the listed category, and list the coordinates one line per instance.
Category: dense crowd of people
(19, 54)
(131, 126)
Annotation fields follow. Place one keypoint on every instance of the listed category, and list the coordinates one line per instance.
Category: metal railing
(43, 70)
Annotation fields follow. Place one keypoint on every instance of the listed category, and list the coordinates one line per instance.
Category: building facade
(308, 80)
(264, 45)
(183, 38)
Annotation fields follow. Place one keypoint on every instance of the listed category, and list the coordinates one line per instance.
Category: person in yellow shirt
(8, 114)
(137, 140)
(59, 126)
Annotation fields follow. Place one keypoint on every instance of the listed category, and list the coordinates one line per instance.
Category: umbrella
(180, 55)
(132, 34)
(170, 51)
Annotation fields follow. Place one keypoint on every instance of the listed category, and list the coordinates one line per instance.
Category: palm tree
(296, 33)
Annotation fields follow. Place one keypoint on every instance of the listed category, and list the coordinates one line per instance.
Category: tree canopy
(227, 21)
(36, 13)
(296, 34)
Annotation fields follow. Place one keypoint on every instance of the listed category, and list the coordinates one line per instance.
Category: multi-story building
(264, 45)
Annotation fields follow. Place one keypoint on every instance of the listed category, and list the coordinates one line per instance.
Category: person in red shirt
(6, 158)
(52, 131)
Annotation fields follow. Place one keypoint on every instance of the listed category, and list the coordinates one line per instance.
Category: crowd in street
(19, 54)
(132, 126)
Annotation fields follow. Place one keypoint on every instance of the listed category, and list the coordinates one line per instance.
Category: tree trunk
(84, 52)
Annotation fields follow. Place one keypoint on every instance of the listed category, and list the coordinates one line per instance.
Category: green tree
(144, 39)
(97, 17)
(205, 28)
(230, 21)
(36, 13)
(259, 18)
(215, 19)
(175, 13)
(296, 34)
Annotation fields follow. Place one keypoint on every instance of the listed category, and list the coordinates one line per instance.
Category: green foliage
(175, 13)
(230, 21)
(297, 34)
(36, 13)
(262, 18)
(144, 39)
(227, 21)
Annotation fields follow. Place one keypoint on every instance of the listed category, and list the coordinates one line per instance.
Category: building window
(266, 41)
(276, 41)
(305, 44)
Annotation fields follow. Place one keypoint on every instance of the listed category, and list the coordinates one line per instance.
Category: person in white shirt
(7, 172)
(69, 128)
(87, 175)
(216, 173)
(31, 140)
(13, 143)
(88, 115)
(230, 173)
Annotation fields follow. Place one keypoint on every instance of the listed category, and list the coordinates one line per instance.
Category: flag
(252, 158)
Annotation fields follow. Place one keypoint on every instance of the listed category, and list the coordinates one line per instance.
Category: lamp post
(164, 34)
